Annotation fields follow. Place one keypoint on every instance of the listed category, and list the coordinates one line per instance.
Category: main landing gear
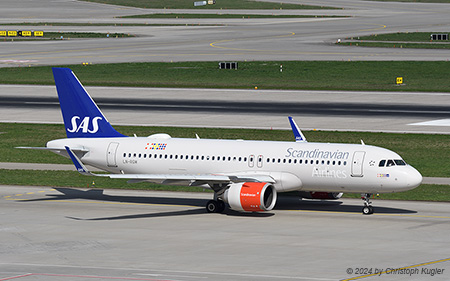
(367, 209)
(215, 206)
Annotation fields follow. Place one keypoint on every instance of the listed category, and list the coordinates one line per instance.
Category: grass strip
(74, 179)
(220, 4)
(98, 24)
(428, 153)
(399, 40)
(402, 37)
(414, 1)
(68, 35)
(425, 76)
(219, 16)
(397, 45)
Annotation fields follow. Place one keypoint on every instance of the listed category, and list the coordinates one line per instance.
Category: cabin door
(357, 163)
(111, 154)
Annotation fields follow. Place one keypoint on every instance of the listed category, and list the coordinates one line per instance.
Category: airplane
(246, 175)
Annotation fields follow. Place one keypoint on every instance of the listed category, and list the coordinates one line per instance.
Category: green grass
(220, 4)
(68, 35)
(397, 45)
(93, 24)
(74, 179)
(314, 75)
(399, 40)
(428, 153)
(217, 16)
(401, 37)
(414, 1)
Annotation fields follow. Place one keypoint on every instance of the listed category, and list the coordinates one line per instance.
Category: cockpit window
(390, 163)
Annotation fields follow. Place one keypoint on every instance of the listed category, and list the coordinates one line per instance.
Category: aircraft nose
(414, 178)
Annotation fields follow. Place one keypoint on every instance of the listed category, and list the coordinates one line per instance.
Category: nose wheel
(367, 209)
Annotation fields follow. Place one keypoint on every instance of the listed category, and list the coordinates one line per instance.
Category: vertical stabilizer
(82, 117)
(299, 137)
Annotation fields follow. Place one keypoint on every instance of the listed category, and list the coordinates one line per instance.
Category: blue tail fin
(82, 117)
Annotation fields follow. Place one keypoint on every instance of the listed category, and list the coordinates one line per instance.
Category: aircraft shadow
(289, 202)
(98, 195)
(284, 202)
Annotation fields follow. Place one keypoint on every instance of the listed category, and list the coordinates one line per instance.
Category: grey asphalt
(77, 234)
(408, 112)
(216, 40)
(74, 234)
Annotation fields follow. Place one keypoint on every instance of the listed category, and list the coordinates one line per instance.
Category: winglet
(78, 164)
(299, 137)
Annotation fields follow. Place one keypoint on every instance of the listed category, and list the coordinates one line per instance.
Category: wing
(179, 179)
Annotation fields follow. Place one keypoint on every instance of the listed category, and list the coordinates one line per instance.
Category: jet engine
(320, 195)
(251, 196)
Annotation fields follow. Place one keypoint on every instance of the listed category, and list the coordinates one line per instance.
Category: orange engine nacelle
(320, 195)
(251, 196)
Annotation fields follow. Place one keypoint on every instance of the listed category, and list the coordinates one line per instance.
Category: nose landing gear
(367, 209)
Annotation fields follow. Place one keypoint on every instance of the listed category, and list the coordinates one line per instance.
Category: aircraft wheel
(367, 210)
(221, 206)
(212, 206)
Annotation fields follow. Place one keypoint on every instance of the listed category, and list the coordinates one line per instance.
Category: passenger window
(390, 163)
(382, 163)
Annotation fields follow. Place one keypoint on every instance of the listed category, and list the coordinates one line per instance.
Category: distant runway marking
(395, 269)
(213, 44)
(382, 26)
(274, 277)
(82, 276)
(17, 61)
(441, 123)
(28, 193)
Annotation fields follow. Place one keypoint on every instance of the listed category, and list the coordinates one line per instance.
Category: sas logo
(84, 125)
(156, 146)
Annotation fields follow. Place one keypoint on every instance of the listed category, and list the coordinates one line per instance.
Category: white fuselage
(293, 165)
